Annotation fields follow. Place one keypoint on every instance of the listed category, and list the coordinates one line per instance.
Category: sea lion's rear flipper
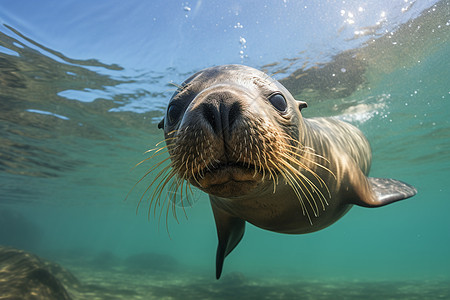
(230, 231)
(386, 191)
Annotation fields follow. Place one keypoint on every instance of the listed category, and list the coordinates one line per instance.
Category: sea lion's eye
(278, 102)
(173, 113)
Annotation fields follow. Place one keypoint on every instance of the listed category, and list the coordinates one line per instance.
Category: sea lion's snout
(220, 113)
(223, 166)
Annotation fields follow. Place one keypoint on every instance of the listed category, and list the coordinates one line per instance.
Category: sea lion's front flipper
(386, 191)
(230, 231)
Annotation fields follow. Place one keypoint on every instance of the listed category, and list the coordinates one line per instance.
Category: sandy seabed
(24, 275)
(100, 285)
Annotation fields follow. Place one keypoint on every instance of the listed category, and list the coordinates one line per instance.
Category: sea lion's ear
(302, 104)
(161, 124)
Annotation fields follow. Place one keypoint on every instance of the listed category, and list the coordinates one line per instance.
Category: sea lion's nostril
(220, 110)
(221, 116)
(212, 116)
(234, 113)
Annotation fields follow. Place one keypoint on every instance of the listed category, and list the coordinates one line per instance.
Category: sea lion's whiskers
(160, 188)
(145, 175)
(167, 139)
(146, 190)
(274, 165)
(170, 133)
(201, 173)
(297, 159)
(158, 191)
(305, 149)
(274, 174)
(297, 145)
(261, 169)
(176, 85)
(187, 162)
(313, 162)
(251, 156)
(177, 184)
(290, 153)
(151, 157)
(291, 176)
(298, 182)
(155, 149)
(322, 183)
(167, 180)
(155, 166)
(193, 173)
(170, 199)
(317, 191)
(177, 191)
(291, 182)
(264, 156)
(277, 170)
(240, 155)
(184, 184)
(303, 158)
(289, 157)
(172, 195)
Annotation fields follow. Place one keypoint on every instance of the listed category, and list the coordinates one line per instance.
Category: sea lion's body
(239, 136)
(280, 211)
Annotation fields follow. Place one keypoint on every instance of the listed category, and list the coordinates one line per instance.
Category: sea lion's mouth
(230, 165)
(228, 179)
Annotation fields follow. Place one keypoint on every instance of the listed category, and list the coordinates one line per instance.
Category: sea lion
(239, 135)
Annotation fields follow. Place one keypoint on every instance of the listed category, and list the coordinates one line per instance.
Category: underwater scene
(84, 85)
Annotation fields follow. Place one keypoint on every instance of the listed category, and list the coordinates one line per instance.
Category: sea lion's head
(232, 129)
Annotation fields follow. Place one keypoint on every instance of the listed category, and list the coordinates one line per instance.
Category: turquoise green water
(64, 177)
